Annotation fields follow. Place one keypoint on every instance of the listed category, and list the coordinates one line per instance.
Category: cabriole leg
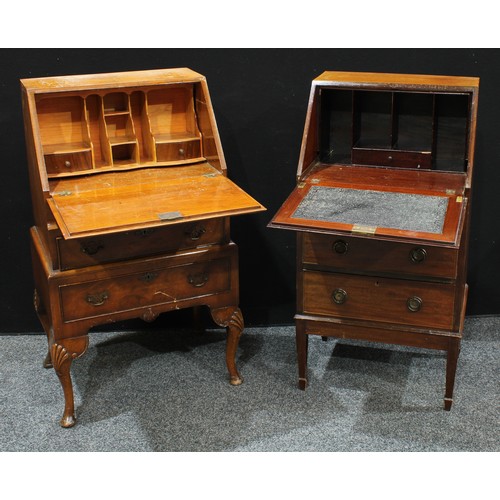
(47, 362)
(62, 353)
(40, 310)
(232, 319)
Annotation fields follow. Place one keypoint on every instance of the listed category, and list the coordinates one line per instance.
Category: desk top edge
(395, 79)
(111, 80)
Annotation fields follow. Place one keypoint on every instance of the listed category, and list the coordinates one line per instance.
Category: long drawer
(77, 253)
(358, 254)
(386, 300)
(129, 288)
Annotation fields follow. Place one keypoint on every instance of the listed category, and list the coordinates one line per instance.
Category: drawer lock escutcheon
(414, 304)
(98, 299)
(149, 277)
(340, 247)
(339, 296)
(145, 232)
(198, 280)
(418, 255)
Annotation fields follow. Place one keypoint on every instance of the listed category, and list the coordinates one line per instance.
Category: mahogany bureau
(131, 205)
(381, 210)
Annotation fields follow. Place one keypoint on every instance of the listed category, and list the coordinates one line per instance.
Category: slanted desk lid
(404, 213)
(114, 202)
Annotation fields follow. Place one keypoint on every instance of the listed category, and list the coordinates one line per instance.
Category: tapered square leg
(451, 369)
(301, 339)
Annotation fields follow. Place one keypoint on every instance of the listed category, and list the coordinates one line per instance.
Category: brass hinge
(170, 216)
(361, 229)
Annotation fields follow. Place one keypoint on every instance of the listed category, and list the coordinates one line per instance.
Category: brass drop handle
(414, 304)
(91, 247)
(98, 299)
(339, 296)
(197, 279)
(418, 255)
(340, 247)
(197, 232)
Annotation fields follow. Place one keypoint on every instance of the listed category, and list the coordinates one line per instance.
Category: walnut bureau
(131, 205)
(381, 210)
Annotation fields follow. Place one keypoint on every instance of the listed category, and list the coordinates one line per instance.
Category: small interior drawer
(57, 163)
(386, 300)
(152, 286)
(178, 150)
(83, 252)
(356, 254)
(392, 158)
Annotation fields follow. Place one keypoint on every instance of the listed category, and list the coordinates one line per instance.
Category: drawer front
(392, 158)
(68, 162)
(152, 287)
(375, 256)
(178, 150)
(401, 302)
(131, 244)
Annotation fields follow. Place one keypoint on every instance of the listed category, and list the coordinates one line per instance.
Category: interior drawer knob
(340, 247)
(339, 296)
(418, 255)
(414, 304)
(67, 164)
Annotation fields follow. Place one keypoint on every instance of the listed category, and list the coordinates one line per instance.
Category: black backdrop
(260, 98)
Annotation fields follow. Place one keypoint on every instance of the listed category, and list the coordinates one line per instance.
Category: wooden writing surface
(143, 198)
(451, 210)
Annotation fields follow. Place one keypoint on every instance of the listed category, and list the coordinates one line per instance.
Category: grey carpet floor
(168, 391)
